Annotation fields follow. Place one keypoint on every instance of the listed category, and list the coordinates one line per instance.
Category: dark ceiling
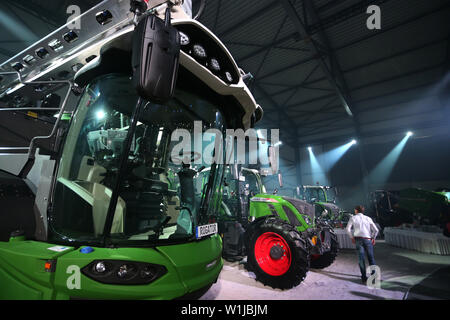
(314, 61)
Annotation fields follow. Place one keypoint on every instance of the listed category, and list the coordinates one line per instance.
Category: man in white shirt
(364, 233)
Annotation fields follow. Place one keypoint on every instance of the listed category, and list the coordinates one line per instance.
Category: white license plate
(205, 230)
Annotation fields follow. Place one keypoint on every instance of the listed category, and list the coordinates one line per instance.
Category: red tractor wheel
(277, 254)
(273, 254)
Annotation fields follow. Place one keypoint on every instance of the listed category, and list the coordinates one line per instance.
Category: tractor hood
(331, 207)
(302, 206)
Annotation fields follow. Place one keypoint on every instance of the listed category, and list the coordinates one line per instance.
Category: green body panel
(262, 209)
(424, 203)
(22, 270)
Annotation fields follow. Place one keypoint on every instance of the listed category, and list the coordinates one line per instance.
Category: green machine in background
(115, 213)
(411, 205)
(280, 236)
(324, 200)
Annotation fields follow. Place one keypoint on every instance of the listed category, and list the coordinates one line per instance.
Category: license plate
(205, 230)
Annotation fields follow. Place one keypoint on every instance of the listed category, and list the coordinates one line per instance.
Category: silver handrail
(14, 148)
(32, 148)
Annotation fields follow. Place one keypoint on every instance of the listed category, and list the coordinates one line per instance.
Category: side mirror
(155, 59)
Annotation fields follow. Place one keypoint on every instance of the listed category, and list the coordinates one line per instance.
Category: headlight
(126, 270)
(42, 53)
(100, 267)
(103, 17)
(123, 272)
(70, 36)
(184, 39)
(17, 66)
(214, 65)
(198, 51)
(228, 76)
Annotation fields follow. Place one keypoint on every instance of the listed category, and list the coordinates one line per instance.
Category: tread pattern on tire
(300, 254)
(327, 258)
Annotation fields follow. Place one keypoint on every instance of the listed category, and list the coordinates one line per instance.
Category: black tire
(299, 265)
(327, 259)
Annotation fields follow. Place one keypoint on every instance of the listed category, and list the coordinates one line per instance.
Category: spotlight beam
(317, 173)
(333, 156)
(381, 173)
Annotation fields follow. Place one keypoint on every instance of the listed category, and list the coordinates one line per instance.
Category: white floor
(400, 269)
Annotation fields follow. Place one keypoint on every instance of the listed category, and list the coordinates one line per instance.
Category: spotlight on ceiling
(309, 149)
(353, 141)
(409, 133)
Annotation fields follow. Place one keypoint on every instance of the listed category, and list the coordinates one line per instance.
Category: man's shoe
(364, 280)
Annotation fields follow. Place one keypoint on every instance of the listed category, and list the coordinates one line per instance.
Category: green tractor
(324, 200)
(280, 236)
(115, 215)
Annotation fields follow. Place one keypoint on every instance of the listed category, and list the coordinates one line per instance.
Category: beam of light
(381, 173)
(331, 157)
(317, 173)
(15, 28)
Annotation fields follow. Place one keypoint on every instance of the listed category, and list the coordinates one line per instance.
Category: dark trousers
(364, 247)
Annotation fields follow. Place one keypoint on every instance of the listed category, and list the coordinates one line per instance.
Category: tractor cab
(324, 200)
(248, 185)
(154, 184)
(124, 208)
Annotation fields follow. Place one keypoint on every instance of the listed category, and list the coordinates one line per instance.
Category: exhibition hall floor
(401, 270)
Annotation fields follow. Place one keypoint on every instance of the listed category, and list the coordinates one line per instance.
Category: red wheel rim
(268, 263)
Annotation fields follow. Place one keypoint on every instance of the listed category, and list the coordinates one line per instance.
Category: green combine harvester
(411, 205)
(114, 216)
(280, 236)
